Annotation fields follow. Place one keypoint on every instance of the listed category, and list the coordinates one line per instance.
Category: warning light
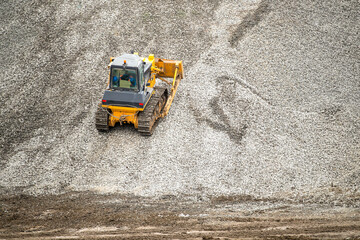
(103, 100)
(141, 104)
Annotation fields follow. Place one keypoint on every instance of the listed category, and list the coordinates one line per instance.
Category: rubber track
(101, 119)
(147, 118)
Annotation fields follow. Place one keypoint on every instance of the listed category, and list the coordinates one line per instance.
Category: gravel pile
(269, 106)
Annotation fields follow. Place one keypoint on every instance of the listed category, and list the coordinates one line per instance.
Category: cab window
(124, 78)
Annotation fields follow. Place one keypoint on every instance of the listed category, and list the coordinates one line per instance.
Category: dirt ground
(93, 216)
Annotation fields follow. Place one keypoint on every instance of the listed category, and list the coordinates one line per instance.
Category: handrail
(176, 81)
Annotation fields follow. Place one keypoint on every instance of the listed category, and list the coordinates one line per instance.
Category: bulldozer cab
(127, 73)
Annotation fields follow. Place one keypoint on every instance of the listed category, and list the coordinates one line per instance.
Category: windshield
(123, 78)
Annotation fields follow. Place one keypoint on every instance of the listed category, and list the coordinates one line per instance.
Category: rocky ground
(266, 117)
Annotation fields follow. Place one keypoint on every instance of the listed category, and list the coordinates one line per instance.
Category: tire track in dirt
(251, 20)
(221, 121)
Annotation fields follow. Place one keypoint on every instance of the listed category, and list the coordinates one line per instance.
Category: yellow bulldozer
(134, 93)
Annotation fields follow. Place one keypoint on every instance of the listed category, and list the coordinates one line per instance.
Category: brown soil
(93, 216)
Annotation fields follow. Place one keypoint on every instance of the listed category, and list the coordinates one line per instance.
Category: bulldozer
(140, 91)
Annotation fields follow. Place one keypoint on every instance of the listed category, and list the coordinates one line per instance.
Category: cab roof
(132, 60)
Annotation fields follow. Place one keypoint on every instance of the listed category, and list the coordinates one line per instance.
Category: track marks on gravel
(234, 134)
(52, 83)
(222, 120)
(250, 20)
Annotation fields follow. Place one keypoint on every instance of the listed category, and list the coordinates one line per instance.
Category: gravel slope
(268, 106)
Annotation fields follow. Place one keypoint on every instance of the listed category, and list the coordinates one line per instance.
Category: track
(102, 118)
(147, 118)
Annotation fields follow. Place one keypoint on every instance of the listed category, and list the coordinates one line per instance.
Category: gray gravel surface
(269, 106)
